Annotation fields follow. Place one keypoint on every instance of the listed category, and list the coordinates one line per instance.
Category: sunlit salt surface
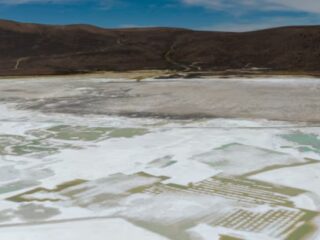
(71, 177)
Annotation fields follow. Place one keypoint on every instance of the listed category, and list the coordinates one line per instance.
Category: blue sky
(226, 15)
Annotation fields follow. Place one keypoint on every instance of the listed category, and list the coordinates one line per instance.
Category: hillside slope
(27, 49)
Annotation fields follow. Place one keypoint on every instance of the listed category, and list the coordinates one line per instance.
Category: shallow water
(306, 142)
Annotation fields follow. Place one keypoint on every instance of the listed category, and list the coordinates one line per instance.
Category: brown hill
(28, 49)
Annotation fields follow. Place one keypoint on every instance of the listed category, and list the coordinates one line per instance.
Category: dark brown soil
(31, 49)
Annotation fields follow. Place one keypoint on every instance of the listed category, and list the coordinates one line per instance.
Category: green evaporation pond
(42, 140)
(224, 237)
(16, 186)
(81, 133)
(78, 133)
(127, 132)
(308, 142)
(33, 147)
(20, 145)
(9, 140)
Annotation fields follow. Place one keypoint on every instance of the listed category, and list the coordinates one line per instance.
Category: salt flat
(74, 164)
(275, 98)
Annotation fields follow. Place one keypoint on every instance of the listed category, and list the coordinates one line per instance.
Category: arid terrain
(31, 49)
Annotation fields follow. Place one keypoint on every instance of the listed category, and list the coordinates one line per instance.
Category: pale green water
(44, 140)
(307, 142)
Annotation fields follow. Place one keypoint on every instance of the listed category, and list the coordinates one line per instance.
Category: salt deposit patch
(239, 159)
(206, 232)
(168, 209)
(115, 229)
(304, 177)
(172, 177)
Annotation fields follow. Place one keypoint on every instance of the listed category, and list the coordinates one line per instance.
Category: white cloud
(300, 5)
(263, 23)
